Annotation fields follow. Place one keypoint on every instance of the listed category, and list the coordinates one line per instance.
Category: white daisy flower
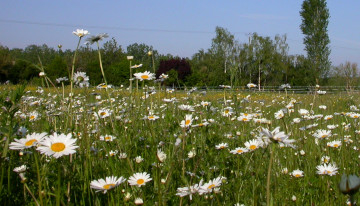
(187, 122)
(58, 145)
(303, 112)
(33, 116)
(335, 144)
(222, 146)
(297, 173)
(325, 159)
(327, 169)
(322, 134)
(210, 186)
(228, 111)
(139, 179)
(102, 185)
(251, 85)
(144, 76)
(252, 144)
(81, 32)
(30, 140)
(279, 114)
(107, 138)
(189, 190)
(81, 79)
(104, 113)
(151, 117)
(239, 150)
(185, 107)
(278, 137)
(204, 104)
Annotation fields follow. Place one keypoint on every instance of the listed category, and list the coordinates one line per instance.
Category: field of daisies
(151, 145)
(168, 147)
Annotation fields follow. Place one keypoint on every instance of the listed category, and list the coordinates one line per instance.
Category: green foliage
(173, 78)
(118, 74)
(57, 68)
(94, 72)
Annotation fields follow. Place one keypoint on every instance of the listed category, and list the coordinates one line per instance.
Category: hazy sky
(177, 27)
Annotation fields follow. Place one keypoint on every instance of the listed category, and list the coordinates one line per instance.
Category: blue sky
(176, 27)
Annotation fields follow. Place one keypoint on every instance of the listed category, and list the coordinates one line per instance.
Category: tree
(57, 68)
(141, 56)
(225, 48)
(111, 52)
(347, 73)
(181, 66)
(315, 19)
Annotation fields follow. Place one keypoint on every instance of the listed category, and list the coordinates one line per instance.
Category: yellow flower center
(227, 111)
(32, 117)
(30, 142)
(336, 145)
(211, 186)
(144, 76)
(201, 124)
(187, 122)
(245, 119)
(140, 181)
(103, 86)
(252, 147)
(239, 151)
(107, 138)
(108, 186)
(102, 113)
(58, 147)
(323, 136)
(297, 175)
(151, 117)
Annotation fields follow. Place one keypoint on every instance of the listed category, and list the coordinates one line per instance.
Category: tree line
(261, 60)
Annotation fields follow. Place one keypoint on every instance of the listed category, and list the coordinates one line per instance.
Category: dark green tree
(57, 68)
(315, 19)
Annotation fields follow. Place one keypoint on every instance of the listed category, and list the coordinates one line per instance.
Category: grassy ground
(257, 177)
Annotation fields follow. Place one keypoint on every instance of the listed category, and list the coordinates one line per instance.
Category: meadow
(159, 146)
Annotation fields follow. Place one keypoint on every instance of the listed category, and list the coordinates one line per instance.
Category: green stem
(38, 177)
(32, 195)
(101, 66)
(58, 191)
(269, 177)
(73, 68)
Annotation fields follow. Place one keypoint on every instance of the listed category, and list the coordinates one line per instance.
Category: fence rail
(293, 89)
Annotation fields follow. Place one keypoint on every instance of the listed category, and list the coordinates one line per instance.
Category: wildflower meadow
(147, 144)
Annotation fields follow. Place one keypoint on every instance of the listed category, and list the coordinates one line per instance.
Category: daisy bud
(139, 201)
(127, 196)
(42, 74)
